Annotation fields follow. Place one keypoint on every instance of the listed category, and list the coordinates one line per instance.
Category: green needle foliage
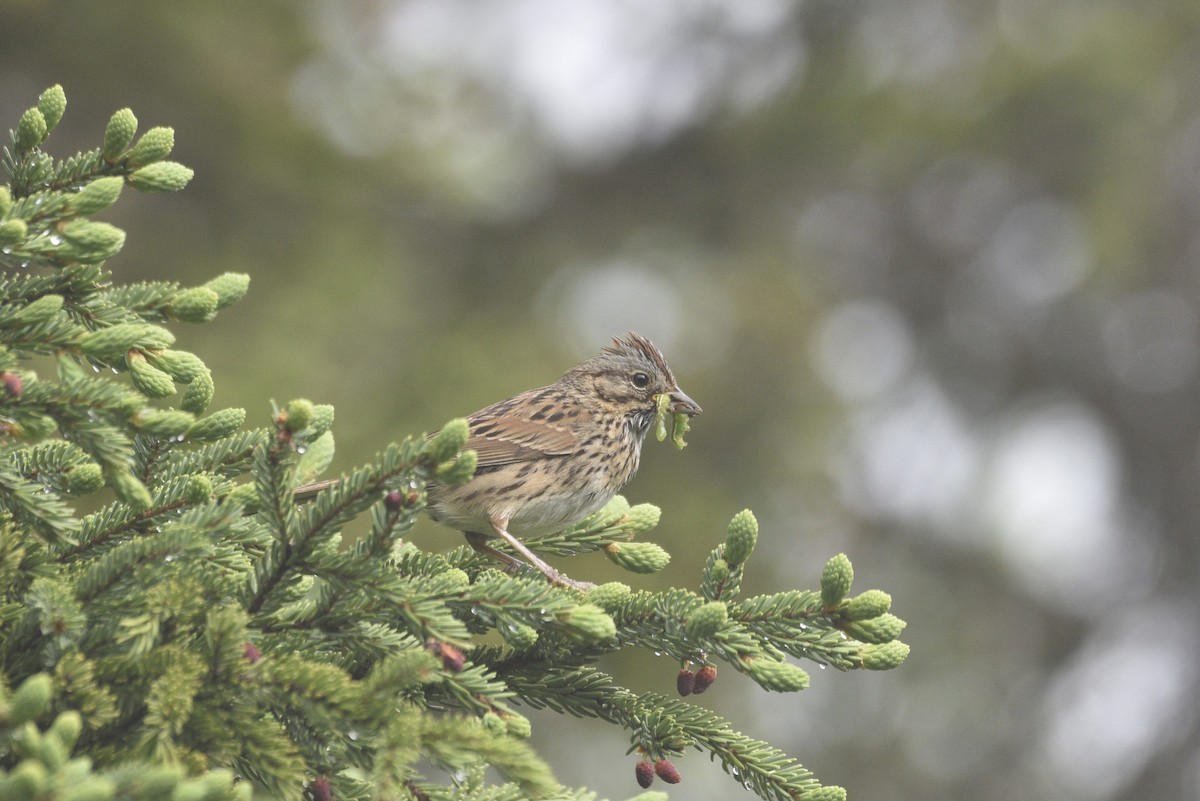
(201, 635)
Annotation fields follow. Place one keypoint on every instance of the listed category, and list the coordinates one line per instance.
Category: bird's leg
(500, 526)
(479, 543)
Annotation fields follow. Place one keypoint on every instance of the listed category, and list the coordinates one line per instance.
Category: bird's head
(628, 375)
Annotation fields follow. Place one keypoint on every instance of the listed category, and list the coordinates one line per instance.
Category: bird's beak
(680, 402)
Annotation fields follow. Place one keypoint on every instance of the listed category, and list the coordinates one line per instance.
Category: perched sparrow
(551, 456)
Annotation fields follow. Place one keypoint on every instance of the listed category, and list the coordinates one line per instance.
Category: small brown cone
(704, 679)
(644, 770)
(667, 771)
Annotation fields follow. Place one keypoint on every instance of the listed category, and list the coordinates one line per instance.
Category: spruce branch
(200, 635)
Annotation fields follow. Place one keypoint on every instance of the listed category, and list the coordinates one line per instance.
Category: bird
(551, 456)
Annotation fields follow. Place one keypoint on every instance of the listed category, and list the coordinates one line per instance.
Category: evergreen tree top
(200, 634)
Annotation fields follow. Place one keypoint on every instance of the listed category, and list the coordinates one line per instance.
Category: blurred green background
(928, 265)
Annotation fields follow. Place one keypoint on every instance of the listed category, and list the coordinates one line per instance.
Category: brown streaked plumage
(551, 456)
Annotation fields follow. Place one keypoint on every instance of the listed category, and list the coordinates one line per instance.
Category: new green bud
(780, 677)
(107, 344)
(641, 518)
(245, 496)
(30, 700)
(130, 490)
(517, 726)
(720, 571)
(242, 791)
(883, 656)
(155, 337)
(40, 310)
(49, 750)
(150, 381)
(520, 636)
(157, 781)
(155, 145)
(31, 131)
(13, 231)
(179, 364)
(66, 728)
(588, 623)
(881, 629)
(166, 422)
(191, 790)
(84, 478)
(161, 176)
(92, 788)
(195, 305)
(492, 722)
(318, 455)
(90, 242)
(445, 444)
(830, 793)
(460, 470)
(836, 579)
(322, 420)
(661, 401)
(298, 415)
(130, 403)
(198, 489)
(456, 578)
(98, 195)
(52, 104)
(742, 536)
(609, 596)
(28, 780)
(36, 425)
(5, 200)
(869, 604)
(681, 423)
(230, 288)
(706, 620)
(616, 508)
(219, 424)
(198, 394)
(217, 783)
(637, 557)
(118, 134)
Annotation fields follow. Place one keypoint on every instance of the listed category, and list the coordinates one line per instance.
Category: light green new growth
(199, 634)
(680, 422)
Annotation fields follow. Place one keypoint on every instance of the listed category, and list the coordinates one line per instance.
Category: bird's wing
(531, 425)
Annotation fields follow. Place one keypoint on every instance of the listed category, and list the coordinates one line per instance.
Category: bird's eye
(640, 380)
